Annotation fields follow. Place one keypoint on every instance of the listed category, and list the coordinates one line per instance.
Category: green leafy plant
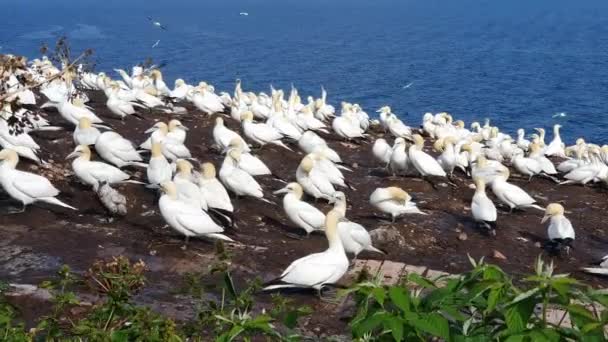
(480, 305)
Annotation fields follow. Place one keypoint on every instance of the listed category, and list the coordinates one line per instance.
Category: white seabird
(393, 201)
(301, 213)
(23, 186)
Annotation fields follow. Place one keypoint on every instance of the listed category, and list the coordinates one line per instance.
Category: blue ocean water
(519, 63)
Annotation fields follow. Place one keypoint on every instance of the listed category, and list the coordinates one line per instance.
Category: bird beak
(151, 129)
(281, 191)
(545, 218)
(184, 128)
(72, 155)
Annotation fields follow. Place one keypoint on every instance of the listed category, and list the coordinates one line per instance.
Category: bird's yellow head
(169, 189)
(183, 166)
(81, 151)
(84, 123)
(399, 194)
(439, 145)
(9, 156)
(174, 124)
(307, 164)
(247, 116)
(480, 184)
(553, 209)
(234, 154)
(208, 170)
(418, 140)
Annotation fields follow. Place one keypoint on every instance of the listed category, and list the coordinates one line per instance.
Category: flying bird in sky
(156, 23)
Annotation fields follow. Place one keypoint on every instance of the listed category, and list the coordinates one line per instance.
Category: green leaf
(230, 285)
(395, 325)
(517, 316)
(120, 336)
(433, 324)
(580, 316)
(369, 324)
(400, 297)
(379, 294)
(421, 281)
(524, 295)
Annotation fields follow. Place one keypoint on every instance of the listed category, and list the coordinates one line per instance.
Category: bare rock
(387, 236)
(498, 255)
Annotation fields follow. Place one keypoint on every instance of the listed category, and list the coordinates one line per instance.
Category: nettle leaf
(580, 315)
(433, 324)
(421, 281)
(400, 297)
(395, 325)
(524, 295)
(517, 316)
(379, 294)
(369, 324)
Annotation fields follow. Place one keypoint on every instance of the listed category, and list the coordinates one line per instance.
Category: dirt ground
(35, 243)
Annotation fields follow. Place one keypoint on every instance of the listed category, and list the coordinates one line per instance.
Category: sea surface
(519, 63)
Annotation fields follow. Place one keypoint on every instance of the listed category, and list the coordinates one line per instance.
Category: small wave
(84, 31)
(43, 34)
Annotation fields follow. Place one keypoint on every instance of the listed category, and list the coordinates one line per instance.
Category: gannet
(187, 219)
(593, 171)
(180, 89)
(112, 200)
(118, 106)
(73, 111)
(482, 208)
(212, 190)
(310, 142)
(26, 187)
(115, 149)
(159, 131)
(238, 181)
(354, 236)
(324, 111)
(556, 146)
(159, 84)
(261, 133)
(511, 195)
(93, 172)
(205, 100)
(448, 158)
(177, 131)
(393, 201)
(222, 136)
(424, 163)
(85, 133)
(313, 181)
(537, 154)
(159, 170)
(187, 191)
(526, 166)
(398, 129)
(560, 231)
(329, 169)
(300, 213)
(157, 24)
(382, 151)
(319, 269)
(601, 269)
(522, 142)
(248, 162)
(486, 169)
(399, 164)
(347, 128)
